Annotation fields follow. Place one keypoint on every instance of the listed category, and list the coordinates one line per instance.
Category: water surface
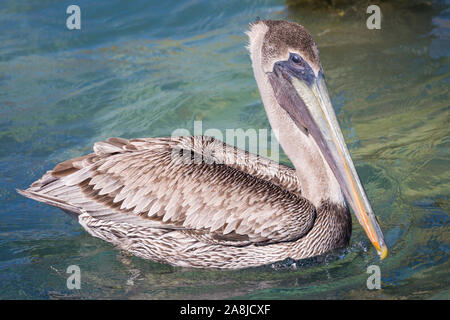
(143, 69)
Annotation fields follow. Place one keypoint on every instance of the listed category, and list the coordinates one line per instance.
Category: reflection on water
(145, 69)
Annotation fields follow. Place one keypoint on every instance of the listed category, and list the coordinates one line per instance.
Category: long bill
(307, 102)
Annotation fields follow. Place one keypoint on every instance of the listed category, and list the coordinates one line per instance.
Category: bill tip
(383, 252)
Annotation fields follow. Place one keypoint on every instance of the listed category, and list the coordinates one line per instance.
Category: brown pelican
(197, 202)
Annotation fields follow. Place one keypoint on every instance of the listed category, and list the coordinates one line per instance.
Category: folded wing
(195, 185)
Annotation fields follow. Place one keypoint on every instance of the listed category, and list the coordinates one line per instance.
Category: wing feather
(196, 185)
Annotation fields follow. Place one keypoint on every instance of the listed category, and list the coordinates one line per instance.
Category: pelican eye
(295, 58)
(300, 68)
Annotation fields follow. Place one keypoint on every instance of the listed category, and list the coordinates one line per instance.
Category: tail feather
(59, 187)
(52, 201)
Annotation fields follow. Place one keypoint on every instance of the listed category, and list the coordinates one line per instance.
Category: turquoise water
(143, 69)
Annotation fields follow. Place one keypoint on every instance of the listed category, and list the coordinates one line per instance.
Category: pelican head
(290, 78)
